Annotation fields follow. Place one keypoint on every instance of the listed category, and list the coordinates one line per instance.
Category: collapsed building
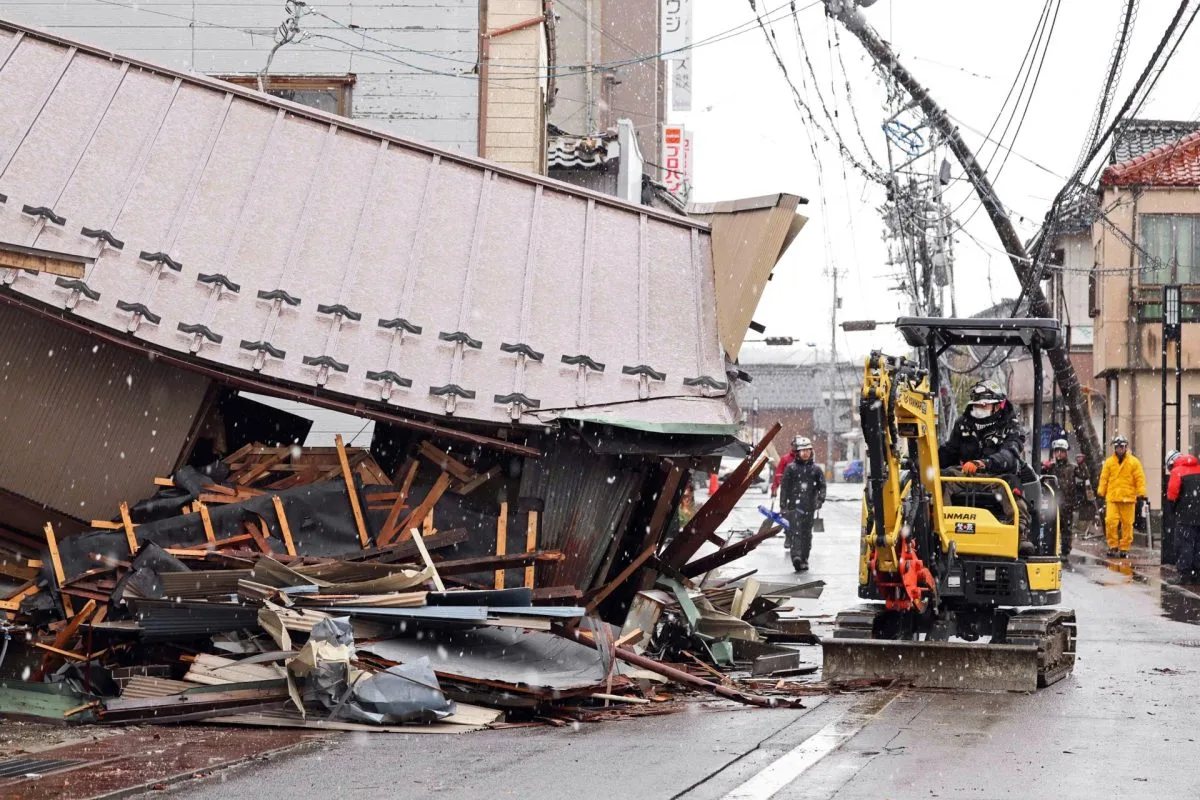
(195, 239)
(542, 362)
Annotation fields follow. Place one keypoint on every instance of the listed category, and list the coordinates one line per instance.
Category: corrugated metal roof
(255, 235)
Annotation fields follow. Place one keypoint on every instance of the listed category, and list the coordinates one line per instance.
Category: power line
(534, 71)
(805, 108)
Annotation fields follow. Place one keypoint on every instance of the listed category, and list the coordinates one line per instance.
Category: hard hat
(801, 443)
(1060, 444)
(986, 393)
(1171, 456)
(1119, 439)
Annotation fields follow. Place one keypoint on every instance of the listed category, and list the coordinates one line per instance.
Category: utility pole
(844, 11)
(833, 365)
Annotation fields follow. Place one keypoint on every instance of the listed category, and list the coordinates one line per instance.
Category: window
(1171, 245)
(1194, 422)
(1093, 295)
(329, 93)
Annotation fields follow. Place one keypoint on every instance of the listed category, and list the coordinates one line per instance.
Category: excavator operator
(986, 441)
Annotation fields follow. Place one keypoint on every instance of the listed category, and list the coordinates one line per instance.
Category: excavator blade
(940, 665)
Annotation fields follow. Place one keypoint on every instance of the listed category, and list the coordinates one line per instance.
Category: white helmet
(1060, 444)
(801, 443)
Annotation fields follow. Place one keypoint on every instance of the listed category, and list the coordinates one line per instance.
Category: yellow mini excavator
(954, 605)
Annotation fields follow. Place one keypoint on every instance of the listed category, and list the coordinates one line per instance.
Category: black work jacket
(1187, 507)
(996, 441)
(802, 487)
(1068, 487)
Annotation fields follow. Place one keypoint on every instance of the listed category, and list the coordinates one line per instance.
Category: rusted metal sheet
(265, 238)
(83, 425)
(585, 495)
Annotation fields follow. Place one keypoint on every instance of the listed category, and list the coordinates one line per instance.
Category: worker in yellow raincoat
(1122, 485)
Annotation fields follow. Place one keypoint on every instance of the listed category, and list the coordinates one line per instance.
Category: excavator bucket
(938, 665)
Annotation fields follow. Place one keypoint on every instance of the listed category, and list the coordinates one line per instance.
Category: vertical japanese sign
(681, 85)
(675, 29)
(675, 43)
(677, 160)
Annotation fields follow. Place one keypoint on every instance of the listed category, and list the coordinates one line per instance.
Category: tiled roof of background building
(1137, 136)
(1173, 164)
(790, 386)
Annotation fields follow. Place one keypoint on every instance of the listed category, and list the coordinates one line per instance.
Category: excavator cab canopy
(935, 335)
(943, 333)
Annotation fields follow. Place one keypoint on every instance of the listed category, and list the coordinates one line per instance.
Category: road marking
(785, 769)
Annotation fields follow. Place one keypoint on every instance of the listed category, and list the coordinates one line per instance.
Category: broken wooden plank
(259, 537)
(501, 540)
(62, 639)
(530, 545)
(624, 575)
(658, 518)
(13, 601)
(256, 471)
(57, 567)
(351, 491)
(127, 523)
(62, 653)
(387, 532)
(727, 554)
(462, 566)
(476, 482)
(684, 546)
(420, 543)
(418, 514)
(446, 463)
(209, 534)
(284, 528)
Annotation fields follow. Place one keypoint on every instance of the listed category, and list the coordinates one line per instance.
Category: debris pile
(303, 587)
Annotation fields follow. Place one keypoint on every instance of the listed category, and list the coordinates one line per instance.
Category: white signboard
(677, 160)
(681, 84)
(675, 30)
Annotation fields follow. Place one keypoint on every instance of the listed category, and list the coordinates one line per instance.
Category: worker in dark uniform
(802, 493)
(1067, 492)
(986, 441)
(1183, 493)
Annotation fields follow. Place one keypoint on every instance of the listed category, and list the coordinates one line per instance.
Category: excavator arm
(899, 425)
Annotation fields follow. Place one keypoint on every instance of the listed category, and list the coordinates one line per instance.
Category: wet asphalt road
(1124, 725)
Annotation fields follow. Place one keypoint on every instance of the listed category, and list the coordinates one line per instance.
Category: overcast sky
(750, 139)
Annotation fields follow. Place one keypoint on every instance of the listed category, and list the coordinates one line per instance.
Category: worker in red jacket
(1183, 492)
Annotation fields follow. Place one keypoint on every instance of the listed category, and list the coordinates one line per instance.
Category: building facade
(411, 69)
(1152, 239)
(798, 396)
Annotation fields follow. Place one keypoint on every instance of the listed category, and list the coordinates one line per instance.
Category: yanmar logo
(964, 516)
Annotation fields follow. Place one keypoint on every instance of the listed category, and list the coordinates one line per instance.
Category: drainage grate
(1188, 643)
(17, 767)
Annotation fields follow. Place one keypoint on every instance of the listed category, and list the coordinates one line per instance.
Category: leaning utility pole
(844, 11)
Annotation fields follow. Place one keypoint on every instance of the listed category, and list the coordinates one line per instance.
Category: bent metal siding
(84, 425)
(255, 235)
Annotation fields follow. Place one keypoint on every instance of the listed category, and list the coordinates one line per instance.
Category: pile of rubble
(303, 587)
